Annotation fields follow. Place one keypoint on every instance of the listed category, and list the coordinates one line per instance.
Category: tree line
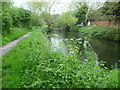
(79, 12)
(39, 13)
(17, 17)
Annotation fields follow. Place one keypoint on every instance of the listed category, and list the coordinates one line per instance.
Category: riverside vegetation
(32, 64)
(102, 32)
(13, 35)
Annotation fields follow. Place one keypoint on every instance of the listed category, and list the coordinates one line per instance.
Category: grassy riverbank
(13, 35)
(32, 64)
(102, 32)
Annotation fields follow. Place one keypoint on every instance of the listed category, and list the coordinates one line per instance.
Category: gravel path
(5, 49)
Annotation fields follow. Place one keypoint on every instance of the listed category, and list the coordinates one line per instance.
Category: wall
(105, 23)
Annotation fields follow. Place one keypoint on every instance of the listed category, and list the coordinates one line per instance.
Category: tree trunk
(49, 28)
(68, 28)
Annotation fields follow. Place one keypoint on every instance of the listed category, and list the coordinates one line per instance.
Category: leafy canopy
(65, 19)
(82, 9)
(112, 10)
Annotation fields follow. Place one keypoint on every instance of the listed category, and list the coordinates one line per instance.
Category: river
(74, 42)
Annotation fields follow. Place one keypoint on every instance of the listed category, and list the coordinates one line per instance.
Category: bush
(6, 22)
(21, 16)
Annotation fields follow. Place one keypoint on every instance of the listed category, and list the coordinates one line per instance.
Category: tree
(25, 17)
(112, 10)
(96, 15)
(21, 16)
(43, 8)
(0, 17)
(65, 20)
(6, 17)
(82, 9)
(14, 17)
(37, 20)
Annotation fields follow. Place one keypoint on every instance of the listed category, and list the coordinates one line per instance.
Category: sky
(20, 2)
(59, 8)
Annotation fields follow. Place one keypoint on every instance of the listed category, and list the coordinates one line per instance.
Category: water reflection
(107, 51)
(57, 43)
(74, 43)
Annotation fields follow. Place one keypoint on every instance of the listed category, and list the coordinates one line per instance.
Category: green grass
(13, 35)
(106, 32)
(32, 64)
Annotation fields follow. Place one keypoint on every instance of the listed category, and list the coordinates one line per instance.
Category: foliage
(0, 17)
(47, 17)
(106, 32)
(6, 5)
(81, 13)
(37, 20)
(85, 11)
(33, 65)
(6, 18)
(96, 15)
(13, 35)
(67, 18)
(111, 9)
(43, 8)
(14, 17)
(21, 16)
(25, 17)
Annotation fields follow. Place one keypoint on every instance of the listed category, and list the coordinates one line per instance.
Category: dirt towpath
(5, 49)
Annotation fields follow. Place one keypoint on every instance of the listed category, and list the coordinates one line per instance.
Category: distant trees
(112, 10)
(81, 12)
(85, 11)
(40, 14)
(37, 20)
(43, 8)
(96, 15)
(107, 11)
(66, 19)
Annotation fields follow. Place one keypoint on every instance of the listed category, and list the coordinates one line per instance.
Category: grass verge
(13, 35)
(105, 32)
(32, 64)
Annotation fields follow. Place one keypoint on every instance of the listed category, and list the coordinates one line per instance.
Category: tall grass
(32, 64)
(106, 32)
